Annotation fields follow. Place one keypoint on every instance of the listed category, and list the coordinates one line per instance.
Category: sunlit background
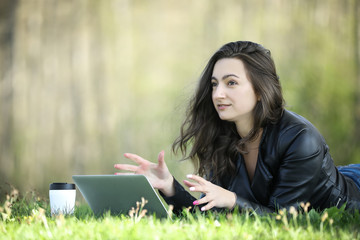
(84, 81)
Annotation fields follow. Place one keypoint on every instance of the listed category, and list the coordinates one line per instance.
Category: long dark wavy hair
(215, 143)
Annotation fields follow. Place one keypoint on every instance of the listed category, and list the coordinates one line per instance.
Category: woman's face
(233, 95)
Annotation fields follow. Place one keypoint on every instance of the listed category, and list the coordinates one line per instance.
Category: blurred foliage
(84, 81)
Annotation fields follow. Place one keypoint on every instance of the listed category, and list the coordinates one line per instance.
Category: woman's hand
(158, 174)
(215, 196)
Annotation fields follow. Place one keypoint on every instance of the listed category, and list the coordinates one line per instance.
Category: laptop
(119, 194)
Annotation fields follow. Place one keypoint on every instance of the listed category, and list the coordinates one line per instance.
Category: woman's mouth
(223, 106)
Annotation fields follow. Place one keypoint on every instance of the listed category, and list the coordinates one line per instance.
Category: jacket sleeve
(245, 205)
(182, 198)
(301, 152)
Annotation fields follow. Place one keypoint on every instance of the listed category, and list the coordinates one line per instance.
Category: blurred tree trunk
(357, 69)
(7, 23)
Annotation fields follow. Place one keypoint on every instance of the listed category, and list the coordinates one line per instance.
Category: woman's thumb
(161, 158)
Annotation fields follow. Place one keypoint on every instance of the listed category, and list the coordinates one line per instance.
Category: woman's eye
(213, 84)
(231, 83)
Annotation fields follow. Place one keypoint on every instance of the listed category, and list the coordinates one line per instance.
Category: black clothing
(294, 165)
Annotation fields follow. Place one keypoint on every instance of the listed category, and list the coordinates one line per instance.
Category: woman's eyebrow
(225, 76)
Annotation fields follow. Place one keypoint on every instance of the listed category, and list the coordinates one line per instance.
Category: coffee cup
(62, 198)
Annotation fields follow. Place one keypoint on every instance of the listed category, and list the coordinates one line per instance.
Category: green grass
(29, 218)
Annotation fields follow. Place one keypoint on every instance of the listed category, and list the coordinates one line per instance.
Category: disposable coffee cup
(62, 198)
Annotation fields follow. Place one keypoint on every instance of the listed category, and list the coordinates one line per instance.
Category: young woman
(250, 151)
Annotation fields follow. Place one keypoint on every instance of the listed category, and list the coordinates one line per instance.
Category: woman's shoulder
(291, 121)
(293, 128)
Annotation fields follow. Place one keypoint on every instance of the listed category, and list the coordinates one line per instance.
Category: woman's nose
(219, 92)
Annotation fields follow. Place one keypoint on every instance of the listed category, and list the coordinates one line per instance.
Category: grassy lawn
(29, 218)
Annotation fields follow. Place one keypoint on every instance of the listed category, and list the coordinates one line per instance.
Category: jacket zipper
(338, 202)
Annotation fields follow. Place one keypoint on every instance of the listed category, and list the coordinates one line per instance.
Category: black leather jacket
(294, 165)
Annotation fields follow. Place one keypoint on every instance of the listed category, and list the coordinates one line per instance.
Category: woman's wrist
(168, 190)
(233, 200)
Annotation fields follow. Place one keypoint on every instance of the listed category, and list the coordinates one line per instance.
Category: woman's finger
(200, 201)
(118, 173)
(126, 167)
(161, 160)
(197, 178)
(209, 206)
(139, 160)
(189, 184)
(198, 188)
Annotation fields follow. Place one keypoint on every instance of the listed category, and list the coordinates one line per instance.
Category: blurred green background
(83, 81)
